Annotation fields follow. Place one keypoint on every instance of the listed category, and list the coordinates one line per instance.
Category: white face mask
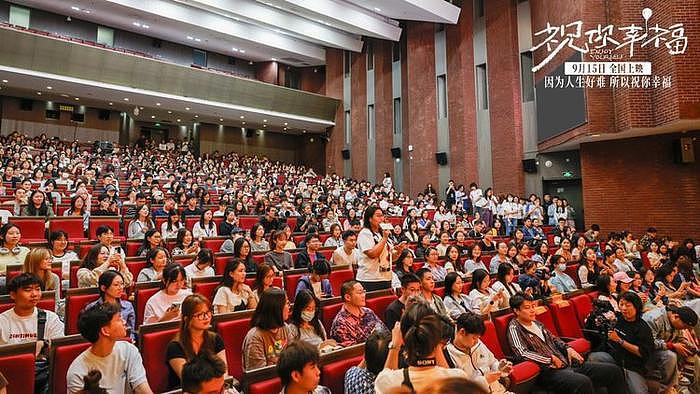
(562, 267)
(307, 316)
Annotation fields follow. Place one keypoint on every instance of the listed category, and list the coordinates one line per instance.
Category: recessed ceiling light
(304, 131)
(178, 120)
(137, 24)
(250, 62)
(39, 93)
(158, 104)
(234, 49)
(221, 119)
(77, 99)
(242, 117)
(377, 9)
(111, 103)
(187, 108)
(126, 99)
(274, 59)
(153, 116)
(141, 108)
(236, 18)
(4, 81)
(146, 26)
(264, 125)
(64, 95)
(242, 122)
(196, 116)
(170, 112)
(49, 87)
(285, 123)
(74, 8)
(190, 38)
(198, 39)
(87, 11)
(242, 51)
(264, 120)
(285, 129)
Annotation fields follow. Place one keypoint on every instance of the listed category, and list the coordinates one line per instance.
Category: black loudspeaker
(248, 133)
(441, 158)
(103, 114)
(26, 105)
(396, 153)
(76, 117)
(683, 151)
(53, 114)
(346, 154)
(530, 165)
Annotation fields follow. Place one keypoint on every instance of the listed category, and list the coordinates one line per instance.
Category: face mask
(307, 316)
(562, 267)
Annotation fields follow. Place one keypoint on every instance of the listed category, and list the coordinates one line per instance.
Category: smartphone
(386, 226)
(175, 305)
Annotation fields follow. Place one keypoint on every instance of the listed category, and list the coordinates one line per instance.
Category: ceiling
(294, 32)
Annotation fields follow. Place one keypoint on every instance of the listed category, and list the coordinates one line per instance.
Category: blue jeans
(511, 224)
(636, 383)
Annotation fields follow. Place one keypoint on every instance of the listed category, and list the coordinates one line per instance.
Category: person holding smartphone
(374, 266)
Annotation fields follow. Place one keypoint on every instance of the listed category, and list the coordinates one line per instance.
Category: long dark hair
(263, 270)
(146, 244)
(634, 299)
(90, 260)
(106, 280)
(43, 209)
(302, 300)
(399, 262)
(450, 280)
(153, 253)
(201, 219)
(226, 279)
(503, 270)
(237, 246)
(478, 276)
(369, 212)
(268, 314)
(184, 337)
(180, 238)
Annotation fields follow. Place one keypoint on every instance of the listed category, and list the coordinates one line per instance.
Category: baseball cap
(622, 277)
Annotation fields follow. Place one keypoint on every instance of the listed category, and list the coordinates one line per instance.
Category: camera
(542, 274)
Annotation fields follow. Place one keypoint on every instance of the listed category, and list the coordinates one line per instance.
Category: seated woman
(500, 257)
(201, 266)
(423, 246)
(205, 227)
(455, 301)
(404, 264)
(278, 258)
(474, 261)
(263, 280)
(13, 253)
(484, 299)
(193, 338)
(334, 240)
(452, 263)
(141, 223)
(305, 322)
(531, 283)
(79, 207)
(665, 276)
(165, 304)
(269, 334)
(233, 294)
(444, 243)
(58, 243)
(561, 281)
(243, 251)
(96, 262)
(156, 261)
(504, 283)
(185, 243)
(588, 270)
(607, 292)
(38, 262)
(170, 228)
(37, 206)
(317, 281)
(111, 287)
(257, 239)
(629, 344)
(152, 239)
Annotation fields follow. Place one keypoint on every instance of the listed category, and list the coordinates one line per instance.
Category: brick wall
(633, 184)
(334, 88)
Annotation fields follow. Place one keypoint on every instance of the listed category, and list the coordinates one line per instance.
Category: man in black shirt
(192, 209)
(304, 258)
(476, 232)
(410, 286)
(270, 222)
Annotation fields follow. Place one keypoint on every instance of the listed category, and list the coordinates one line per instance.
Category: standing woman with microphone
(374, 266)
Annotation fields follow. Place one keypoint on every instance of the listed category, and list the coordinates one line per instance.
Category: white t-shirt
(342, 258)
(368, 269)
(159, 303)
(391, 379)
(194, 272)
(122, 370)
(17, 329)
(225, 297)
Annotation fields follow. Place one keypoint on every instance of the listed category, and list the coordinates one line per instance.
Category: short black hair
(294, 358)
(346, 288)
(91, 321)
(320, 267)
(634, 299)
(517, 300)
(471, 323)
(310, 236)
(23, 280)
(595, 227)
(202, 368)
(421, 272)
(347, 234)
(409, 278)
(376, 350)
(103, 229)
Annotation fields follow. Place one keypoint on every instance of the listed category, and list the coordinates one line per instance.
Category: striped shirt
(527, 345)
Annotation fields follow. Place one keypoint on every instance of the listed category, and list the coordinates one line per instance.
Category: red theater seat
(333, 374)
(76, 300)
(190, 221)
(205, 288)
(33, 229)
(270, 386)
(17, 365)
(135, 266)
(339, 277)
(153, 345)
(233, 332)
(63, 352)
(565, 319)
(583, 306)
(379, 304)
(247, 222)
(328, 313)
(214, 244)
(501, 325)
(141, 297)
(72, 225)
(290, 285)
(220, 262)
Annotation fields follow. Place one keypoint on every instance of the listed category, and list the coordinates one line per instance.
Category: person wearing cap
(666, 324)
(624, 282)
(111, 191)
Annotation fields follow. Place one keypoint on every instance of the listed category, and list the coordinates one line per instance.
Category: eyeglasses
(203, 315)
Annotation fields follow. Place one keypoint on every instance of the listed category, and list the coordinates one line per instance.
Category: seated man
(348, 254)
(119, 361)
(354, 322)
(562, 369)
(204, 374)
(306, 257)
(298, 369)
(360, 379)
(410, 286)
(468, 353)
(666, 324)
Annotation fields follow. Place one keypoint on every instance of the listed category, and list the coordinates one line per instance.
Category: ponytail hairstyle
(419, 327)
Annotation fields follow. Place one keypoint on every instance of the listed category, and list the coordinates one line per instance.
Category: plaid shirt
(528, 346)
(348, 329)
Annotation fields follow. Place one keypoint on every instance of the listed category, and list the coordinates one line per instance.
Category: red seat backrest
(159, 220)
(593, 295)
(153, 345)
(33, 229)
(18, 369)
(247, 222)
(490, 339)
(97, 221)
(75, 304)
(327, 253)
(290, 285)
(328, 313)
(337, 278)
(333, 374)
(324, 236)
(270, 386)
(259, 259)
(63, 357)
(440, 291)
(213, 244)
(545, 317)
(292, 222)
(132, 246)
(220, 263)
(379, 304)
(572, 271)
(135, 267)
(298, 238)
(190, 221)
(72, 225)
(501, 325)
(141, 296)
(206, 289)
(583, 307)
(233, 332)
(566, 320)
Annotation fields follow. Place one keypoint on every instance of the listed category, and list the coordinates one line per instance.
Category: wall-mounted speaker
(530, 165)
(346, 154)
(53, 114)
(78, 118)
(441, 158)
(103, 114)
(396, 153)
(26, 105)
(683, 151)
